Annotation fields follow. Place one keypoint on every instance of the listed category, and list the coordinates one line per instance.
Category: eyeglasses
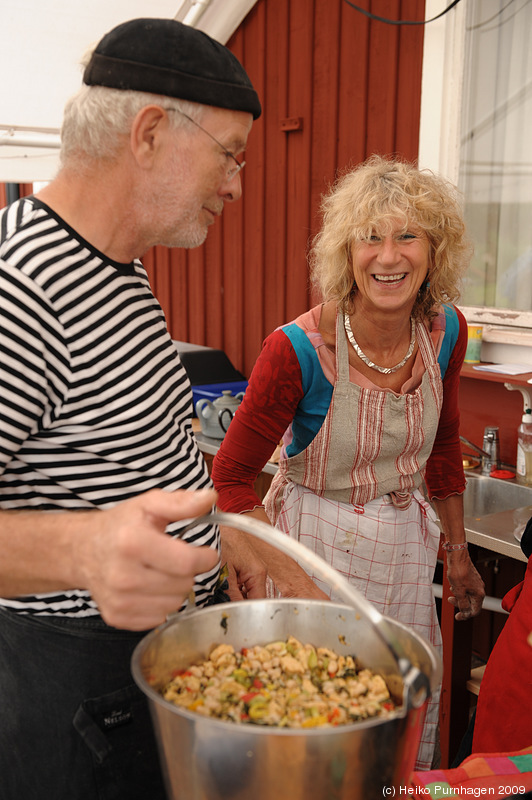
(232, 172)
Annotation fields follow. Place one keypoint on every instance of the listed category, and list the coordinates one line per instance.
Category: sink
(485, 495)
(495, 513)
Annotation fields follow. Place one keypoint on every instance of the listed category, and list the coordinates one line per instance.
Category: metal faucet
(489, 450)
(490, 445)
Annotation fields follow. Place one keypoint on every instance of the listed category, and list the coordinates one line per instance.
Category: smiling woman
(363, 391)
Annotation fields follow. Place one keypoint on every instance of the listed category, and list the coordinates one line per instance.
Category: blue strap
(452, 329)
(317, 391)
(306, 355)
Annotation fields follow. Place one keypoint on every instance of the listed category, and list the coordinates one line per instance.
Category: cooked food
(286, 684)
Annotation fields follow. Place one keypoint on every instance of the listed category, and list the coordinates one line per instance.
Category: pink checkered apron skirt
(352, 498)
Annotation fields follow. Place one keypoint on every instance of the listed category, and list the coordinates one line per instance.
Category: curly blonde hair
(371, 199)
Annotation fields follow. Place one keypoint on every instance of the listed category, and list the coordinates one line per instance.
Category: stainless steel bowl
(208, 759)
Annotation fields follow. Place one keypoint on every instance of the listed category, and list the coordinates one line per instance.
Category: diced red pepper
(183, 673)
(246, 698)
(334, 714)
(257, 684)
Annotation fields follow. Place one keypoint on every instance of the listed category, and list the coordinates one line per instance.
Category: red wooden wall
(355, 84)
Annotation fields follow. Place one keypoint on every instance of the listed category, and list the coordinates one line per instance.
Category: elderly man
(97, 457)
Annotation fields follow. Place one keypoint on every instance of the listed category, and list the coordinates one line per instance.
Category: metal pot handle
(416, 682)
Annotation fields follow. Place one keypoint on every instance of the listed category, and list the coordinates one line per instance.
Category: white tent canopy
(41, 44)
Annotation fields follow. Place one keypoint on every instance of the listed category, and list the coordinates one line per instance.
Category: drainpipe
(195, 13)
(12, 192)
(218, 23)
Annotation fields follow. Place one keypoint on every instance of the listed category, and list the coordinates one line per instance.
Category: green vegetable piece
(258, 708)
(256, 699)
(242, 677)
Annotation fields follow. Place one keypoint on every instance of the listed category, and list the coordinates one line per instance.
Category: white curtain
(496, 153)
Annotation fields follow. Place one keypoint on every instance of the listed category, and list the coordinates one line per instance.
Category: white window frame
(439, 150)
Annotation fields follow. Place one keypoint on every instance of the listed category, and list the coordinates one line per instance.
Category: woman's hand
(466, 585)
(247, 572)
(251, 561)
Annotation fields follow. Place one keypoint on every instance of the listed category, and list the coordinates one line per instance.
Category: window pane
(496, 153)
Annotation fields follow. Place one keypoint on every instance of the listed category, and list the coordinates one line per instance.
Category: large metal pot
(207, 759)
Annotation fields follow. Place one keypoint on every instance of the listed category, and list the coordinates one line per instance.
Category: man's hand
(135, 572)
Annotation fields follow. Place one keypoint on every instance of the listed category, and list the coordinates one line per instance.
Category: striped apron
(352, 497)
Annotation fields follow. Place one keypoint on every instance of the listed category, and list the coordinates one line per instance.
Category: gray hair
(97, 120)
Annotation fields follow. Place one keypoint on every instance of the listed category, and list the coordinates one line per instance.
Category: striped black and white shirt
(95, 405)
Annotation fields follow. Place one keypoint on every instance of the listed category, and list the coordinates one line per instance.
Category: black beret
(164, 56)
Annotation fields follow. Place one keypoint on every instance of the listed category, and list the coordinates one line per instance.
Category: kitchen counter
(495, 532)
(496, 512)
(210, 447)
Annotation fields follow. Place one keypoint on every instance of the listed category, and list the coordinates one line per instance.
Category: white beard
(172, 211)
